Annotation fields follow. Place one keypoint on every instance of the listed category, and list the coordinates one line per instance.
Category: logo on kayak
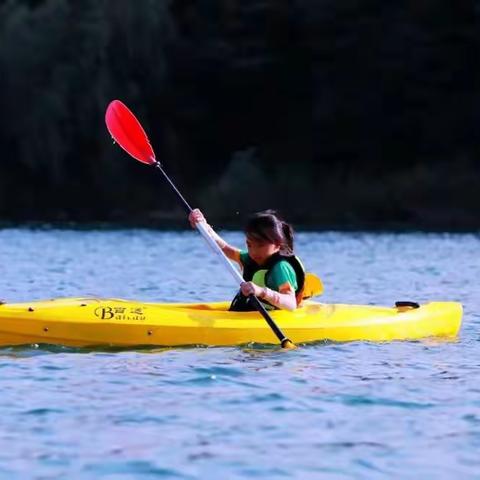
(120, 313)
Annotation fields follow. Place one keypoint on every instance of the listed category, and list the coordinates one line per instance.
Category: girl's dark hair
(267, 226)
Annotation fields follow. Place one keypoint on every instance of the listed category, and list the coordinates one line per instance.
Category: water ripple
(336, 411)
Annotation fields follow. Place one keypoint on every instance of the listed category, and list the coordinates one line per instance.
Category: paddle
(130, 135)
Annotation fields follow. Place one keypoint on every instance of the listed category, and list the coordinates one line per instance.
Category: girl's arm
(283, 299)
(232, 253)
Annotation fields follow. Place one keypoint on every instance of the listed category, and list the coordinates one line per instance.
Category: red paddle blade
(128, 133)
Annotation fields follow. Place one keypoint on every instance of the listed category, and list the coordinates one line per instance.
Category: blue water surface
(336, 411)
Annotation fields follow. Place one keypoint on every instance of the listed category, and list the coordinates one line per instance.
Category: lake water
(360, 410)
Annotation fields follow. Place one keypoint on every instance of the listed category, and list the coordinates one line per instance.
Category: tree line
(343, 114)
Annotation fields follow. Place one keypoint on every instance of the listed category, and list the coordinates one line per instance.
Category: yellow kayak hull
(113, 322)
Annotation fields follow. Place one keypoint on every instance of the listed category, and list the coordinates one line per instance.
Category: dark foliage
(337, 113)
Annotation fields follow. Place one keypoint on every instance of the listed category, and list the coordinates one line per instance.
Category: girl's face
(260, 251)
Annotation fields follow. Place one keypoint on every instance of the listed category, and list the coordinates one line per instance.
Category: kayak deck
(115, 322)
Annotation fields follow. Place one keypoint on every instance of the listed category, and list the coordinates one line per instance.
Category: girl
(270, 269)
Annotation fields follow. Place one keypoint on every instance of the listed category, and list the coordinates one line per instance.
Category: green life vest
(252, 272)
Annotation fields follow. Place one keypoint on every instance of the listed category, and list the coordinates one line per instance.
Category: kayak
(104, 321)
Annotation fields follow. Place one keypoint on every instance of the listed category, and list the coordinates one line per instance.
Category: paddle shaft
(201, 227)
(176, 190)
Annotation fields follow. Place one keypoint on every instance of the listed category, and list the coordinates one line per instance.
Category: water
(360, 410)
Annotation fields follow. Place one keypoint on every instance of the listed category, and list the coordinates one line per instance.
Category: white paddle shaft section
(203, 229)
